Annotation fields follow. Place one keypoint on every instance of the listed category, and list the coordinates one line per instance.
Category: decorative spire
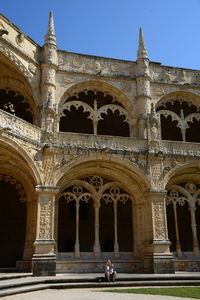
(50, 37)
(142, 51)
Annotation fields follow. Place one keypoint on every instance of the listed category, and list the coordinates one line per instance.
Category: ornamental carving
(96, 104)
(20, 39)
(167, 75)
(97, 188)
(45, 218)
(158, 91)
(155, 175)
(143, 87)
(49, 76)
(68, 79)
(17, 62)
(183, 112)
(19, 187)
(187, 192)
(77, 63)
(19, 126)
(32, 68)
(159, 217)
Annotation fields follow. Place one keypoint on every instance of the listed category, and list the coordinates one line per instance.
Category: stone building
(100, 159)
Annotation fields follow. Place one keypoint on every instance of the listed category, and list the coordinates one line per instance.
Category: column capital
(46, 189)
(155, 193)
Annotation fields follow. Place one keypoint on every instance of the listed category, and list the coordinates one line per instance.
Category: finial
(142, 51)
(50, 37)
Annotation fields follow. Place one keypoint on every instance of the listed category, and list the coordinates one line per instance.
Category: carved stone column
(158, 249)
(97, 250)
(48, 82)
(44, 258)
(143, 87)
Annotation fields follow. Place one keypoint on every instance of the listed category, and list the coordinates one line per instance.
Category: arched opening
(76, 120)
(191, 132)
(113, 123)
(94, 215)
(13, 213)
(180, 120)
(21, 105)
(94, 112)
(182, 211)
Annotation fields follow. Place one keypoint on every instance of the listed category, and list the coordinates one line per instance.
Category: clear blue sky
(110, 28)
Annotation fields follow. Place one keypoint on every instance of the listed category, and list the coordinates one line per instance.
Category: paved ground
(85, 294)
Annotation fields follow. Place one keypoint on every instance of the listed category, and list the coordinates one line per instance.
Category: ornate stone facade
(101, 158)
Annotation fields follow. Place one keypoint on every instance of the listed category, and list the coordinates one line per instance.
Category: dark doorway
(12, 225)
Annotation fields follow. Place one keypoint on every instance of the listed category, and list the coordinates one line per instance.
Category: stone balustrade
(105, 143)
(19, 127)
(181, 148)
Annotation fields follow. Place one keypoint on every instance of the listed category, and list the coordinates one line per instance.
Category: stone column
(97, 250)
(158, 249)
(192, 209)
(30, 236)
(77, 243)
(178, 244)
(116, 245)
(44, 257)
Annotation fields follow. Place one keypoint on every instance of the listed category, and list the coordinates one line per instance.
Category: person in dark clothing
(11, 108)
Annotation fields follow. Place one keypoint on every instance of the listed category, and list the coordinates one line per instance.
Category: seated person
(110, 273)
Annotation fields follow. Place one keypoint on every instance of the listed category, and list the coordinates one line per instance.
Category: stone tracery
(99, 190)
(99, 106)
(182, 114)
(180, 195)
(18, 185)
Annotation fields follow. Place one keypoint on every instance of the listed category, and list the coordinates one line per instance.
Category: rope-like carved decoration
(18, 186)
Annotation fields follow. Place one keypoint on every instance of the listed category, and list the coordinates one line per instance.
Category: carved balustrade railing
(19, 127)
(26, 130)
(106, 143)
(181, 148)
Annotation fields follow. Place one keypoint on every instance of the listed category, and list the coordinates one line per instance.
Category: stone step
(22, 289)
(30, 286)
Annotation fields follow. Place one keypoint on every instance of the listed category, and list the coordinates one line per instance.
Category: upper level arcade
(85, 100)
